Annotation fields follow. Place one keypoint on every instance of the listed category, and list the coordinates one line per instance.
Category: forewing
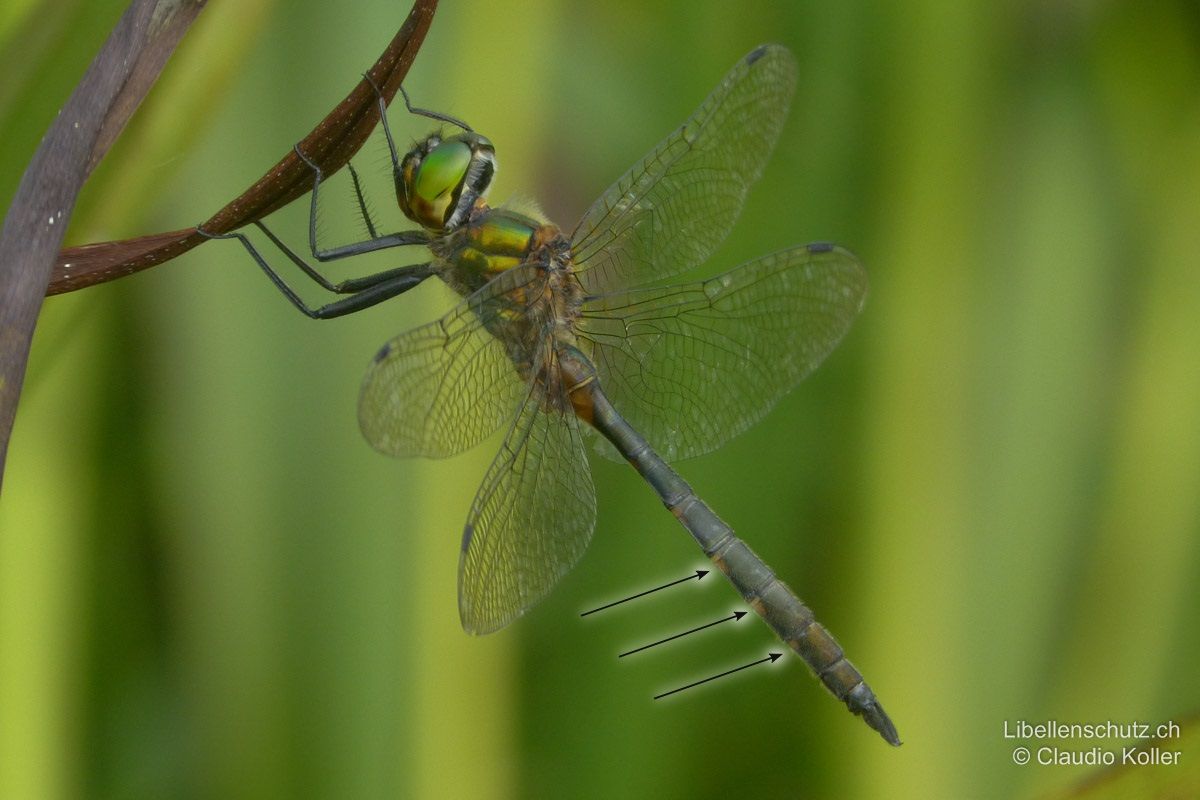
(441, 388)
(672, 209)
(531, 520)
(691, 366)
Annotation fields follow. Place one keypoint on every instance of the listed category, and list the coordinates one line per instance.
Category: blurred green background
(210, 586)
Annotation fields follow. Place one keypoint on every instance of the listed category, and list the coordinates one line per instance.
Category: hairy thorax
(533, 297)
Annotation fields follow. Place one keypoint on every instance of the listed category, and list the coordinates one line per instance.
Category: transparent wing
(441, 388)
(531, 520)
(672, 209)
(692, 366)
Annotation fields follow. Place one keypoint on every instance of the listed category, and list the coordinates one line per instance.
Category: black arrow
(699, 574)
(770, 657)
(735, 616)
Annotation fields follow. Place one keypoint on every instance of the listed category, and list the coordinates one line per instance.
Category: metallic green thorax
(492, 242)
(536, 304)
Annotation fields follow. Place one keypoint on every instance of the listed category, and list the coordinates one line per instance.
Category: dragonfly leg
(397, 169)
(387, 132)
(376, 242)
(397, 282)
(364, 292)
(363, 211)
(342, 287)
(440, 117)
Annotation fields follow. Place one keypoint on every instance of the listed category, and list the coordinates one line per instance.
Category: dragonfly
(557, 335)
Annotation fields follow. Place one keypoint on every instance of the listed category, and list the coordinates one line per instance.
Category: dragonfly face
(441, 179)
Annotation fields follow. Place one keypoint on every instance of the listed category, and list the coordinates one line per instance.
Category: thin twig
(330, 144)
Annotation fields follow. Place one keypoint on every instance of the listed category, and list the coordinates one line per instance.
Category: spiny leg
(364, 292)
(363, 211)
(376, 242)
(398, 239)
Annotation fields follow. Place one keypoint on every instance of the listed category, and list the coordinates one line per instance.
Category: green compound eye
(440, 182)
(439, 176)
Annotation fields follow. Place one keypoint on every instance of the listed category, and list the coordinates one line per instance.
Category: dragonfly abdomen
(795, 624)
(770, 597)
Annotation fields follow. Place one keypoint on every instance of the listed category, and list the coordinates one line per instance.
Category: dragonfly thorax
(517, 270)
(492, 241)
(441, 179)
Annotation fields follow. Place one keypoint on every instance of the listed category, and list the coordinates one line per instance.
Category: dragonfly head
(441, 178)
